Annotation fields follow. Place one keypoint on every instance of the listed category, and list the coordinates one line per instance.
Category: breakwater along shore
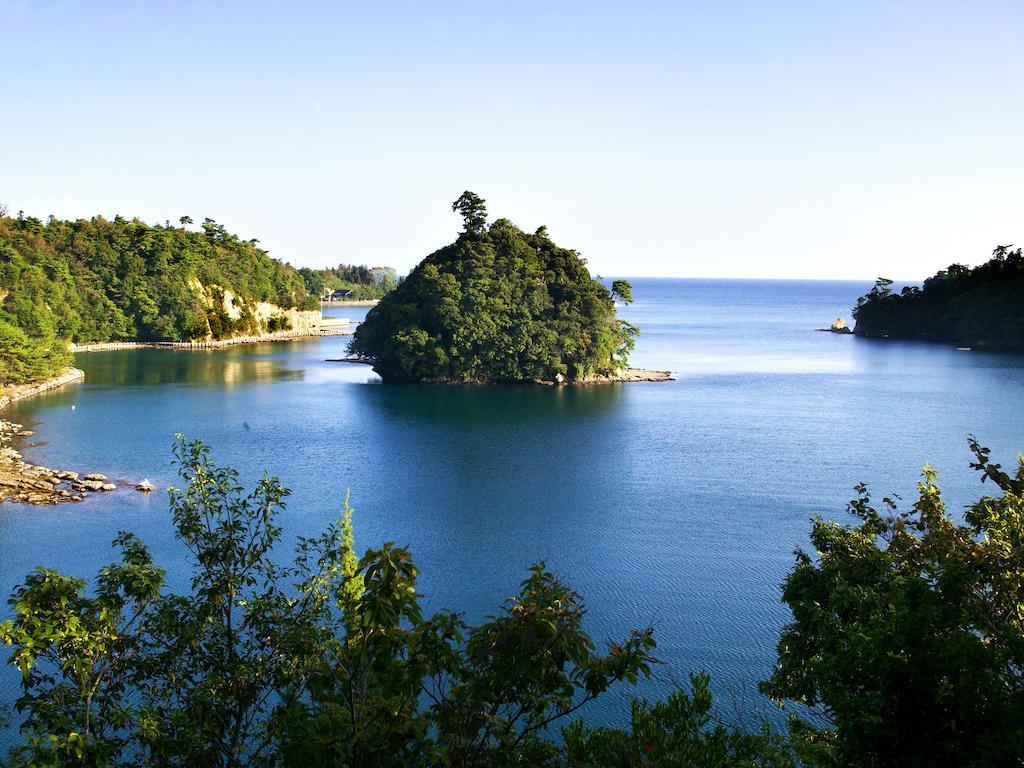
(17, 392)
(106, 346)
(351, 303)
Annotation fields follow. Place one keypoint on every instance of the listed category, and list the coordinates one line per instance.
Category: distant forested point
(497, 305)
(980, 307)
(349, 282)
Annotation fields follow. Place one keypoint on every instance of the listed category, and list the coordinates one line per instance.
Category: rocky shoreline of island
(27, 483)
(625, 375)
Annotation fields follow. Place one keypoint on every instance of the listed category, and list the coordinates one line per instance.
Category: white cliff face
(839, 326)
(299, 322)
(233, 309)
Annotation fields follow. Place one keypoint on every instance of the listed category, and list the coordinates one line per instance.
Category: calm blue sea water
(678, 504)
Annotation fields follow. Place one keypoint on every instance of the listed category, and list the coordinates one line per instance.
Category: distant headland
(73, 286)
(981, 307)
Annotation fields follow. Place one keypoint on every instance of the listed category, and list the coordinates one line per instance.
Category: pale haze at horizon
(790, 140)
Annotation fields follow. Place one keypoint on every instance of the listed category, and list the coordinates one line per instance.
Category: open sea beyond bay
(676, 504)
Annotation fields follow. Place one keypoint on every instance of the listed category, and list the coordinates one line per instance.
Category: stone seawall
(12, 394)
(103, 346)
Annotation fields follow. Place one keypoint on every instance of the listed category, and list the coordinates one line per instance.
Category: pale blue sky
(734, 139)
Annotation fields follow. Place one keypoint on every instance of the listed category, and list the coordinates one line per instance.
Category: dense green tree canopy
(25, 358)
(908, 631)
(497, 305)
(101, 280)
(980, 307)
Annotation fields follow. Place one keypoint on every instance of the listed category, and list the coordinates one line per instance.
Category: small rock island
(500, 305)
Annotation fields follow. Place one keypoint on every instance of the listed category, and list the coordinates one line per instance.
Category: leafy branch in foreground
(908, 631)
(907, 643)
(326, 661)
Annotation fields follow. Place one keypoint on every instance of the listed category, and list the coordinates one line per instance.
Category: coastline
(625, 376)
(17, 392)
(26, 483)
(106, 346)
(351, 303)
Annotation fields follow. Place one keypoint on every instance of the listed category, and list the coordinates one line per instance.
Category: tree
(100, 280)
(979, 307)
(24, 358)
(908, 631)
(75, 655)
(679, 732)
(500, 306)
(473, 210)
(185, 220)
(882, 287)
(622, 290)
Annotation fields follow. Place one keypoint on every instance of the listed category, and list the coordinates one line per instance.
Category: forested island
(981, 307)
(497, 305)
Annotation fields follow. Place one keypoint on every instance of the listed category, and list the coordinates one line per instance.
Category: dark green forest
(905, 649)
(981, 307)
(106, 280)
(497, 305)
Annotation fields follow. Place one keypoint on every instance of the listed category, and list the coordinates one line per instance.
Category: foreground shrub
(908, 631)
(327, 661)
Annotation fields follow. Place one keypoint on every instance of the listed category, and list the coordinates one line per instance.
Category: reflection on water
(482, 406)
(230, 366)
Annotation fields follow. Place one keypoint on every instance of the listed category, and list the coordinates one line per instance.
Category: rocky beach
(27, 483)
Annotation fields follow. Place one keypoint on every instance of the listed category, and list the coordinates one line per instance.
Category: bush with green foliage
(327, 661)
(908, 632)
(907, 644)
(102, 280)
(980, 307)
(497, 305)
(25, 358)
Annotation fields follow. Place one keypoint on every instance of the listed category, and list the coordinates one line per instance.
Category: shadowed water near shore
(677, 503)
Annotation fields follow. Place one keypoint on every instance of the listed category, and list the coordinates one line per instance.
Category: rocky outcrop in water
(838, 326)
(28, 483)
